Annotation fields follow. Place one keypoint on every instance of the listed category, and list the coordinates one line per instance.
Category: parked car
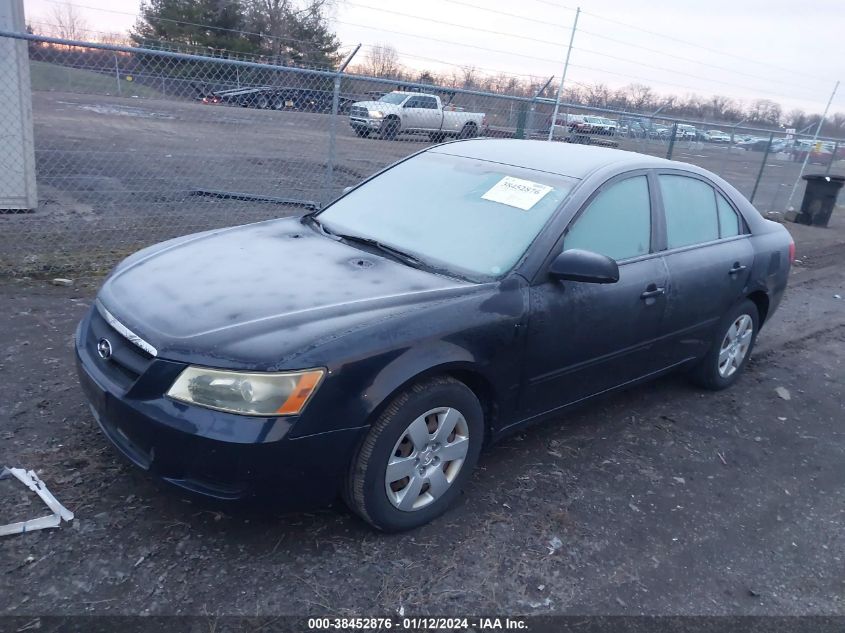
(375, 347)
(821, 152)
(414, 112)
(685, 132)
(746, 142)
(659, 132)
(717, 136)
(595, 125)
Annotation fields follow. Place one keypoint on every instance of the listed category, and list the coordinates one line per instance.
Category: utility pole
(810, 149)
(563, 74)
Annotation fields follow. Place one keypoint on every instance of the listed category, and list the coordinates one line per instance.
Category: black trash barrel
(819, 199)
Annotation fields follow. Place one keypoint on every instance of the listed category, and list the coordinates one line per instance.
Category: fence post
(332, 140)
(832, 157)
(117, 75)
(521, 116)
(333, 128)
(762, 167)
(672, 141)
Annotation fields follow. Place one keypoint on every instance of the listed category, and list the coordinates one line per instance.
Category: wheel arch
(464, 371)
(760, 299)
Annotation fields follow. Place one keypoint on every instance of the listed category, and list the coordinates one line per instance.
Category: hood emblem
(104, 348)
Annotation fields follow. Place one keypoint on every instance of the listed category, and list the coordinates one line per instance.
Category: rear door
(586, 338)
(708, 255)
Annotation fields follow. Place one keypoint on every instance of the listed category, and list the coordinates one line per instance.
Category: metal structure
(131, 148)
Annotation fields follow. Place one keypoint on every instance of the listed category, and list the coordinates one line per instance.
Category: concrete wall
(17, 152)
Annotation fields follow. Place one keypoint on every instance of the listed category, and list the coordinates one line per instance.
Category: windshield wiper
(394, 252)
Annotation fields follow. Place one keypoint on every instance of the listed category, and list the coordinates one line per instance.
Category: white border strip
(125, 331)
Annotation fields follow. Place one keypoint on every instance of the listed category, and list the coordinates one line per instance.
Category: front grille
(358, 111)
(127, 361)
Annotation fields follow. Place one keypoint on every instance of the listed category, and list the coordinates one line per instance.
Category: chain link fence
(135, 146)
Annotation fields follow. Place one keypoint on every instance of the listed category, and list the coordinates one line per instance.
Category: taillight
(791, 252)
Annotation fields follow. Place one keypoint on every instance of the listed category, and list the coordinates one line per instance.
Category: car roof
(565, 159)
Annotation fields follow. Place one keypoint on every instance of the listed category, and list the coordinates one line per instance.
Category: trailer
(279, 98)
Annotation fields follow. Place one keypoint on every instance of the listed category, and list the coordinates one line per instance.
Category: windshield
(470, 217)
(396, 98)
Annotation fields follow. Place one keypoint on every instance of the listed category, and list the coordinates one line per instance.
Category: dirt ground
(660, 500)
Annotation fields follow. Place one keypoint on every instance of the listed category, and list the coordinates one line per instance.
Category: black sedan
(374, 348)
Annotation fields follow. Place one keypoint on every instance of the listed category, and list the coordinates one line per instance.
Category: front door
(421, 113)
(586, 338)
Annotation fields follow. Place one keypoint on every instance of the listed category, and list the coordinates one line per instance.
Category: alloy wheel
(735, 345)
(426, 459)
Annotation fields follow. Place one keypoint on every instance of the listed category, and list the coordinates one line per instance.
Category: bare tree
(67, 22)
(382, 60)
(469, 76)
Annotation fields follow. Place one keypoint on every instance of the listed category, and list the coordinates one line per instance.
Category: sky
(787, 51)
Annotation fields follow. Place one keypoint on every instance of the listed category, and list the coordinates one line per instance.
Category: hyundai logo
(104, 348)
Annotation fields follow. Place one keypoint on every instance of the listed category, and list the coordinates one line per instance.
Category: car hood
(257, 294)
(381, 106)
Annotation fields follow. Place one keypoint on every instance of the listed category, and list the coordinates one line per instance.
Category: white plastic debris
(29, 479)
(783, 392)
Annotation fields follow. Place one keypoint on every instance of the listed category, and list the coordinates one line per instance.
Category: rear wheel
(278, 103)
(262, 102)
(470, 130)
(730, 349)
(417, 456)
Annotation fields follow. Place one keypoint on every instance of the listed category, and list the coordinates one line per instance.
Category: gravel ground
(660, 500)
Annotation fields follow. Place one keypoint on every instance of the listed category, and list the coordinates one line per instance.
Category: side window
(413, 102)
(690, 208)
(428, 102)
(729, 224)
(617, 223)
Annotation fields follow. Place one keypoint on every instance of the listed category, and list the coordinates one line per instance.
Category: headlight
(247, 393)
(375, 114)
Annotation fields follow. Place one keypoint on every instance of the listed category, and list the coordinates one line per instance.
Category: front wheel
(389, 129)
(730, 349)
(417, 456)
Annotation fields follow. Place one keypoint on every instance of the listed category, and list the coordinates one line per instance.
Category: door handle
(737, 268)
(652, 292)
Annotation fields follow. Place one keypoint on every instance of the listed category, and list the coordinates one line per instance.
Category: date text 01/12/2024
(416, 624)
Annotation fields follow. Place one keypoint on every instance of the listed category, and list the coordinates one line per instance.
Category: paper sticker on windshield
(516, 192)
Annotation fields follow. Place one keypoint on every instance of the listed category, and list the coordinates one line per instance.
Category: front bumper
(211, 453)
(365, 124)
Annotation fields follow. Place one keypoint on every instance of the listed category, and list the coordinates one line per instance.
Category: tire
(389, 129)
(470, 130)
(717, 372)
(278, 103)
(437, 404)
(262, 102)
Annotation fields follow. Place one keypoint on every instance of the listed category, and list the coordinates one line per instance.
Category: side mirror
(585, 266)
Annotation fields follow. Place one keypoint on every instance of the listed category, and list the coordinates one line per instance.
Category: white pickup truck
(414, 112)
